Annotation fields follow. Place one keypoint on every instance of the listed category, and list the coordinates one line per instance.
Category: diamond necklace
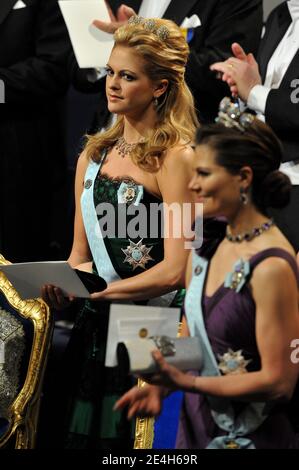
(124, 148)
(247, 236)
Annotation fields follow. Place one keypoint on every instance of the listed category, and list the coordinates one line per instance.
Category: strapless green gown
(91, 388)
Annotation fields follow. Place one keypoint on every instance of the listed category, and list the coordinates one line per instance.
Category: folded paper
(92, 47)
(131, 322)
(28, 278)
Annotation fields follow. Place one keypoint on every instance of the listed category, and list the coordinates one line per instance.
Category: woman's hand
(54, 297)
(144, 401)
(169, 376)
(124, 13)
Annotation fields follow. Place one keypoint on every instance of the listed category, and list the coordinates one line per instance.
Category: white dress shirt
(276, 70)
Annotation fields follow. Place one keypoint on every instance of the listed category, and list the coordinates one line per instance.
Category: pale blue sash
(92, 227)
(221, 408)
(97, 245)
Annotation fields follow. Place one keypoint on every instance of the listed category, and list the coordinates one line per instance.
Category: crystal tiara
(230, 115)
(150, 25)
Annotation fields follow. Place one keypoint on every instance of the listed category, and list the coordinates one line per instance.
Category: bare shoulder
(175, 174)
(177, 162)
(82, 163)
(273, 272)
(181, 154)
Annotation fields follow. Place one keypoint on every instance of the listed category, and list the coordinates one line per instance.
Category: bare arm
(168, 275)
(188, 277)
(80, 250)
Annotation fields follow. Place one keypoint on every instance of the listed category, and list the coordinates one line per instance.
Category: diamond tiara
(230, 115)
(150, 25)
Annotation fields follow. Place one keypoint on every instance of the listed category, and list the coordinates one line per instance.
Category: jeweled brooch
(129, 192)
(137, 255)
(238, 277)
(233, 362)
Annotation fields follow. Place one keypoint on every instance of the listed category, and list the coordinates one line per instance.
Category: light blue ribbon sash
(92, 227)
(221, 408)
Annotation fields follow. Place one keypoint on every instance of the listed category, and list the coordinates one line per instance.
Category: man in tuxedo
(222, 22)
(270, 87)
(34, 45)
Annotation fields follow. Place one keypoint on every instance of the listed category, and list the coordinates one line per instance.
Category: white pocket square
(19, 5)
(192, 22)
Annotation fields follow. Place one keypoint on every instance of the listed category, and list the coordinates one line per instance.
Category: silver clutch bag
(134, 356)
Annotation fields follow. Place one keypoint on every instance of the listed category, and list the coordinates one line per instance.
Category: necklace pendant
(124, 148)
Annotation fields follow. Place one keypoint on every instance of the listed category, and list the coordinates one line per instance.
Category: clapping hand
(124, 13)
(241, 72)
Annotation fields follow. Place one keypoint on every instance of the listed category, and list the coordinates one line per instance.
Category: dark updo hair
(257, 147)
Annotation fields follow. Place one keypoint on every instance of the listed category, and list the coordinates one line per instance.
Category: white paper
(28, 278)
(126, 321)
(92, 47)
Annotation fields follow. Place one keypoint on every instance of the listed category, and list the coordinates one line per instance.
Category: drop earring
(243, 196)
(155, 102)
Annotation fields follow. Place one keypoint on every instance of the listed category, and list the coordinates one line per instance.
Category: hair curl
(163, 59)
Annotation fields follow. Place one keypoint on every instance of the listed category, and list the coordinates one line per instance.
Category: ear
(160, 88)
(246, 177)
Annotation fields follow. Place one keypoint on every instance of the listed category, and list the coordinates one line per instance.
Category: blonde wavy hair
(164, 58)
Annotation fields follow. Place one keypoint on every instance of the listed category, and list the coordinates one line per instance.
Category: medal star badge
(137, 255)
(233, 362)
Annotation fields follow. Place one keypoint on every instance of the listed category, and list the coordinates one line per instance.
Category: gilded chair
(26, 328)
(145, 427)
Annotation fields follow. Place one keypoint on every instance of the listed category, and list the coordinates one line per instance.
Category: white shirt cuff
(257, 98)
(93, 75)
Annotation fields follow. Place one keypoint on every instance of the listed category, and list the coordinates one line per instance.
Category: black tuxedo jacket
(223, 22)
(282, 106)
(33, 48)
(33, 51)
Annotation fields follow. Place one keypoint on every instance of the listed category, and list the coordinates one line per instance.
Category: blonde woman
(142, 160)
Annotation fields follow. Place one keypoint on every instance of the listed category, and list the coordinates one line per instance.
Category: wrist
(192, 386)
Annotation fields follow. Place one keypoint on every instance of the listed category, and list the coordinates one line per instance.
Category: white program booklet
(92, 47)
(28, 278)
(127, 321)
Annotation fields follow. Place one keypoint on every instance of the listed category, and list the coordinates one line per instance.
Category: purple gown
(230, 323)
